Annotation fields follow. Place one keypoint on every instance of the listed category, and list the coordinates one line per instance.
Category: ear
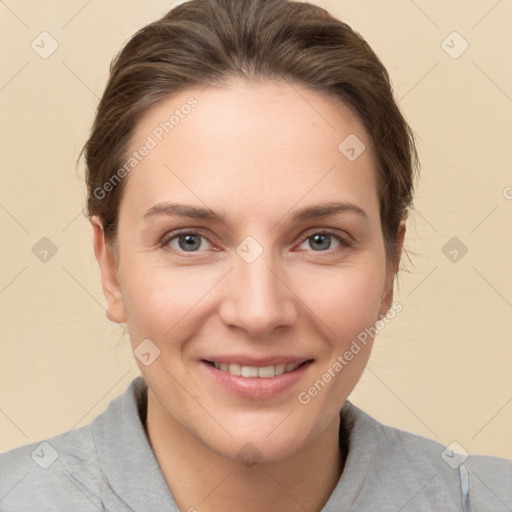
(108, 269)
(391, 270)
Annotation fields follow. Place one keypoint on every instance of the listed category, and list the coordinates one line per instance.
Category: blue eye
(322, 241)
(187, 241)
(193, 242)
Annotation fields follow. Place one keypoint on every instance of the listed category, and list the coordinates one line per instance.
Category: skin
(257, 153)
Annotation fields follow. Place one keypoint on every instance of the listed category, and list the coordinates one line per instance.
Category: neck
(204, 481)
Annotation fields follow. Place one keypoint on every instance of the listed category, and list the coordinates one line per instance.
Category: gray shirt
(109, 465)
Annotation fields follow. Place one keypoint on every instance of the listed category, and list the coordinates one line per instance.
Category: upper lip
(245, 360)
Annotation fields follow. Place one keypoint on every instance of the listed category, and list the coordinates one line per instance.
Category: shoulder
(412, 464)
(63, 468)
(490, 482)
(89, 468)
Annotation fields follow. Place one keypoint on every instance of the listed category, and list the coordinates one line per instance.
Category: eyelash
(167, 238)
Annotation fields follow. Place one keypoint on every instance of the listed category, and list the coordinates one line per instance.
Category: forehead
(280, 112)
(250, 141)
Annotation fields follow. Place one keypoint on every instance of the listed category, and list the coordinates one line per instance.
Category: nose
(258, 298)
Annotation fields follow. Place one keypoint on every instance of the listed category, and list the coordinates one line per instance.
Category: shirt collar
(362, 449)
(125, 454)
(132, 471)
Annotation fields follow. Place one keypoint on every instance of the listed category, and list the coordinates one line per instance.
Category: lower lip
(256, 388)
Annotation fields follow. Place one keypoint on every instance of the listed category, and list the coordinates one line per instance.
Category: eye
(321, 241)
(193, 242)
(186, 241)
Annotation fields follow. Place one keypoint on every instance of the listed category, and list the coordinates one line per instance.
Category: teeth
(263, 372)
(235, 369)
(280, 369)
(249, 371)
(267, 371)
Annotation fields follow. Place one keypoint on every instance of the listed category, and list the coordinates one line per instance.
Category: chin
(251, 451)
(259, 442)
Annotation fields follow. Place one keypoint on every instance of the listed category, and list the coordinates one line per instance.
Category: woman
(233, 138)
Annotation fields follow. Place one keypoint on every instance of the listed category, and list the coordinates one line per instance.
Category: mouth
(256, 379)
(262, 372)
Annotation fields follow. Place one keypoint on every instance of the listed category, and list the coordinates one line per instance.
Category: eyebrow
(198, 212)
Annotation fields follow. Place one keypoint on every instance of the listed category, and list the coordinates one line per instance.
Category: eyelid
(171, 235)
(345, 241)
(337, 233)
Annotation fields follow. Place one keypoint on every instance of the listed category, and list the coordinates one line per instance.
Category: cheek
(345, 300)
(347, 306)
(157, 298)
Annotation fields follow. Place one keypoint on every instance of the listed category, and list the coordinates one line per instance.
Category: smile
(255, 378)
(263, 372)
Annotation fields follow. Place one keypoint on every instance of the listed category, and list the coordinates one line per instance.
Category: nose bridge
(257, 301)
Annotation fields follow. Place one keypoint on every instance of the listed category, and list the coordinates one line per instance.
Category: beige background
(441, 369)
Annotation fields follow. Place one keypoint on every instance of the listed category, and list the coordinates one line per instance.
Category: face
(251, 257)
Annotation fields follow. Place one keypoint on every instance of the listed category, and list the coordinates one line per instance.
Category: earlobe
(108, 269)
(387, 296)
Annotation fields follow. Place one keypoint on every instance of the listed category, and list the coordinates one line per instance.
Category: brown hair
(209, 42)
